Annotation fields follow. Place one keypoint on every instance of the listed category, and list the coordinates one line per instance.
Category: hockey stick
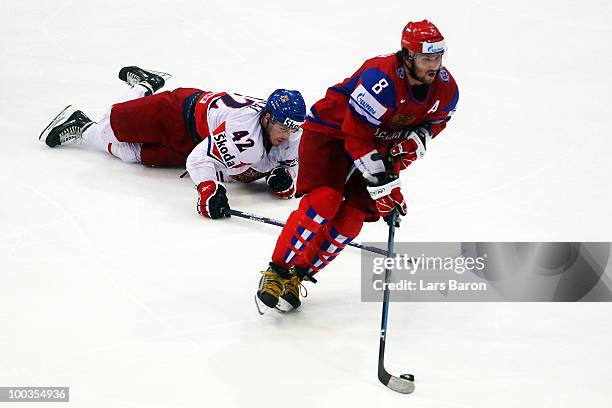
(405, 382)
(281, 224)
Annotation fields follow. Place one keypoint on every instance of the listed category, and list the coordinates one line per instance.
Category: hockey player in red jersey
(356, 140)
(219, 136)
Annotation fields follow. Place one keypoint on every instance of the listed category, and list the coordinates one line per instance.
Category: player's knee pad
(348, 220)
(332, 239)
(314, 211)
(323, 201)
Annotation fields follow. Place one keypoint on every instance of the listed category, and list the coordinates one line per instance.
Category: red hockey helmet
(423, 37)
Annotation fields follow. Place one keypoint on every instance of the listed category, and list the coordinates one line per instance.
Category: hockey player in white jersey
(252, 139)
(238, 138)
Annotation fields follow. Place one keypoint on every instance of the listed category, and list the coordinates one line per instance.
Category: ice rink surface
(110, 283)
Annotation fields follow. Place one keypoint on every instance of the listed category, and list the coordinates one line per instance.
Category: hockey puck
(408, 377)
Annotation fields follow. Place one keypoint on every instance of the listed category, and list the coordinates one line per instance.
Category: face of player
(277, 133)
(425, 67)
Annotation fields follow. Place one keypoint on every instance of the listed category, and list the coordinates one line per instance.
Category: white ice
(110, 283)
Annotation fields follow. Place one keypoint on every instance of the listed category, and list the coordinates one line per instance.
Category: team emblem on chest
(401, 121)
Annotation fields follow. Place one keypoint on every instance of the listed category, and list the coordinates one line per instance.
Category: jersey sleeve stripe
(314, 117)
(453, 104)
(347, 88)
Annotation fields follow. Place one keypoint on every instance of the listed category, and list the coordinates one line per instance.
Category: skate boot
(271, 287)
(290, 299)
(68, 126)
(152, 80)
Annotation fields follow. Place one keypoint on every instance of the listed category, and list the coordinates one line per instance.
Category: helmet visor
(293, 130)
(429, 59)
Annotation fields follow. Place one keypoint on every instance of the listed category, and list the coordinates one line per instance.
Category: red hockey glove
(212, 199)
(404, 153)
(281, 183)
(413, 147)
(388, 195)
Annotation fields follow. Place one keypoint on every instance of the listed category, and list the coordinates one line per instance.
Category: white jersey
(235, 150)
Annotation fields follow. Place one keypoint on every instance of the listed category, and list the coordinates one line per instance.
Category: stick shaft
(271, 221)
(385, 306)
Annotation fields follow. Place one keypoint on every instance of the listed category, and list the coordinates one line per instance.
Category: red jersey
(366, 108)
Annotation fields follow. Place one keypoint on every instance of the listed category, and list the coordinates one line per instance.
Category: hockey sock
(138, 91)
(101, 136)
(127, 152)
(332, 239)
(315, 209)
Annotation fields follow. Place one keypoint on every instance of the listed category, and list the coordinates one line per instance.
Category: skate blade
(164, 75)
(63, 115)
(283, 306)
(261, 306)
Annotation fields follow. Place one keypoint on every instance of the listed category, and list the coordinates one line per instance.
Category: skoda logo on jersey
(219, 150)
(364, 104)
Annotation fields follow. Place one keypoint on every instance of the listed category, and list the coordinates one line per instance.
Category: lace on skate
(303, 290)
(296, 286)
(133, 78)
(271, 283)
(72, 132)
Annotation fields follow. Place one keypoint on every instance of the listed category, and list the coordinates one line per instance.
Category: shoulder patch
(400, 73)
(444, 74)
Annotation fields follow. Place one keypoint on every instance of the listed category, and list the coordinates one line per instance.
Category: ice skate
(294, 289)
(152, 80)
(271, 287)
(290, 298)
(67, 126)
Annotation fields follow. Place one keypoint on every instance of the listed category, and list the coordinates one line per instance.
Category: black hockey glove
(280, 183)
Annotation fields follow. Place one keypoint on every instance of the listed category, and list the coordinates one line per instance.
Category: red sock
(315, 209)
(332, 239)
